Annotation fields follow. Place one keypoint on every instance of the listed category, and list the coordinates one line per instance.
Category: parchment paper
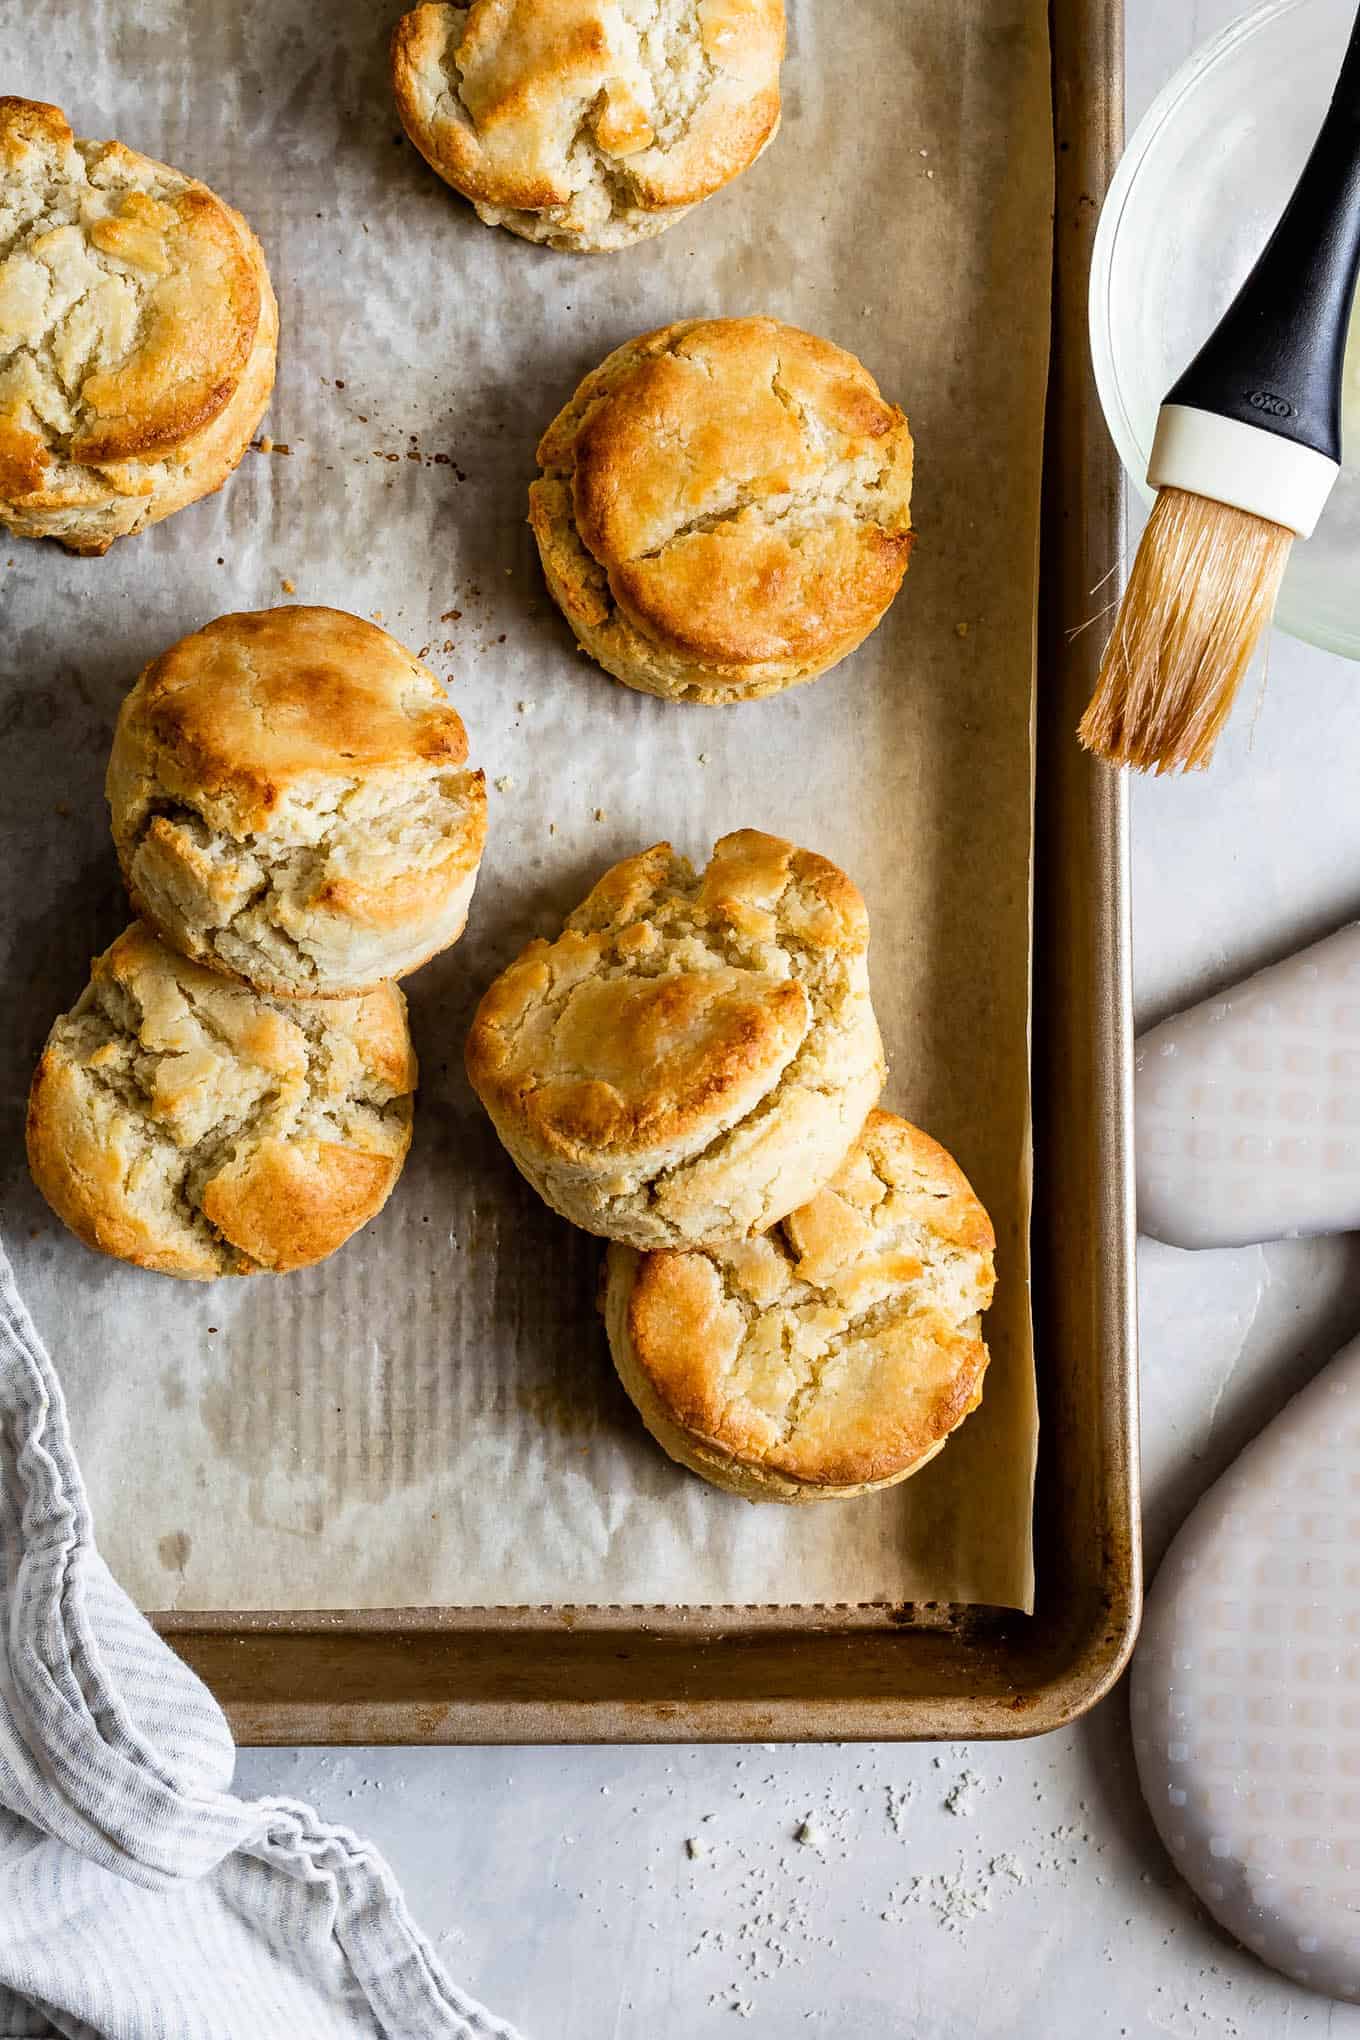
(431, 1417)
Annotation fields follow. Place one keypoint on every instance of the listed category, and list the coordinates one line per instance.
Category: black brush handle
(1274, 360)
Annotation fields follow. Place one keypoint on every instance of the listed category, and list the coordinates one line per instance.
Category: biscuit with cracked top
(189, 1126)
(589, 124)
(833, 1356)
(691, 1058)
(138, 333)
(724, 509)
(291, 803)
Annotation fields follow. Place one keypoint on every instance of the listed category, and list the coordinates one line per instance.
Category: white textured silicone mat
(1248, 1106)
(1245, 1690)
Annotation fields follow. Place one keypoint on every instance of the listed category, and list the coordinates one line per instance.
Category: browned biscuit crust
(832, 1356)
(693, 1055)
(189, 1126)
(291, 802)
(583, 123)
(139, 331)
(724, 509)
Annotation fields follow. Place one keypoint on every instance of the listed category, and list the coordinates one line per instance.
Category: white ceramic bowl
(1194, 199)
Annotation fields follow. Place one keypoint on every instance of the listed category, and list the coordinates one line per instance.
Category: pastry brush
(1248, 446)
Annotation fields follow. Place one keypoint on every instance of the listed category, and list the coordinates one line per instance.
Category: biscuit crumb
(809, 1834)
(452, 616)
(694, 1847)
(287, 586)
(504, 783)
(525, 707)
(960, 630)
(703, 757)
(265, 445)
(63, 808)
(961, 1797)
(552, 828)
(601, 814)
(281, 446)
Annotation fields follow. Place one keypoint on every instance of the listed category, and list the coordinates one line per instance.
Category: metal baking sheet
(886, 1669)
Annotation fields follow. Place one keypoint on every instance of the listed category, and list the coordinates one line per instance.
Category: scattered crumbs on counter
(264, 445)
(960, 630)
(605, 1791)
(281, 446)
(953, 1897)
(703, 757)
(809, 1834)
(601, 814)
(451, 616)
(62, 807)
(898, 1800)
(961, 1798)
(695, 1847)
(525, 707)
(925, 152)
(376, 614)
(287, 586)
(552, 831)
(504, 784)
(1009, 1865)
(930, 173)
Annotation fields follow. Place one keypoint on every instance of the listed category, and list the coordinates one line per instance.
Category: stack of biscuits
(298, 828)
(795, 1280)
(691, 1068)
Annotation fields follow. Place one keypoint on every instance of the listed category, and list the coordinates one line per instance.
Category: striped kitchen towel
(139, 1900)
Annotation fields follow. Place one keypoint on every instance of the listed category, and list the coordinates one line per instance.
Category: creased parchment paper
(431, 1418)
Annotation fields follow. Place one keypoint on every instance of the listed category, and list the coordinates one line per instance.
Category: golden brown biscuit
(832, 1356)
(188, 1125)
(589, 124)
(137, 335)
(724, 509)
(694, 1054)
(291, 803)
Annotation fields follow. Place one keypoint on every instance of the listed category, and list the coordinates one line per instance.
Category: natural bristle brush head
(1202, 590)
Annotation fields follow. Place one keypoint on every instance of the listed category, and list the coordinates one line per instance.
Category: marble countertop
(953, 1892)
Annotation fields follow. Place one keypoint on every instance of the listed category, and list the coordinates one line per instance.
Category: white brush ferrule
(1235, 463)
